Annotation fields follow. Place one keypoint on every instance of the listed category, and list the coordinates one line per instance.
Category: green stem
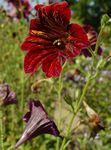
(1, 130)
(68, 131)
(83, 93)
(60, 108)
(60, 83)
(98, 39)
(77, 108)
(22, 92)
(76, 111)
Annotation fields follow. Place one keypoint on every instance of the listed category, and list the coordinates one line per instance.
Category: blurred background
(15, 16)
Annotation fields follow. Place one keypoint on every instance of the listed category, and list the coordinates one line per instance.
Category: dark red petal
(88, 28)
(34, 24)
(35, 43)
(92, 37)
(38, 40)
(36, 58)
(58, 13)
(64, 13)
(52, 66)
(91, 33)
(33, 60)
(39, 6)
(71, 50)
(78, 35)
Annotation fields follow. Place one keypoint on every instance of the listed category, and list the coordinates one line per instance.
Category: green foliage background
(98, 95)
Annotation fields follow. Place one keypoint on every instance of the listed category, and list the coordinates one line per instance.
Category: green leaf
(68, 99)
(66, 145)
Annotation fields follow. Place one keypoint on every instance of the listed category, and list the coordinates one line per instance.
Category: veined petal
(38, 123)
(35, 43)
(52, 66)
(7, 96)
(78, 35)
(33, 60)
(92, 37)
(71, 50)
(34, 24)
(57, 13)
(36, 58)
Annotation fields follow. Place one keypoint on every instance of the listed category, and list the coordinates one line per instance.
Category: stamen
(57, 42)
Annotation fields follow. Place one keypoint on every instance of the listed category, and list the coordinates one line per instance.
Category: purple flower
(6, 95)
(37, 123)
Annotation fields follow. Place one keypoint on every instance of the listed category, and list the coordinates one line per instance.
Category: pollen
(57, 42)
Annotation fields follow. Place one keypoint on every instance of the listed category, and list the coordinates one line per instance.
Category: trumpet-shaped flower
(52, 39)
(38, 123)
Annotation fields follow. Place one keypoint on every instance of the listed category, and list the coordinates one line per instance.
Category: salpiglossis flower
(38, 123)
(7, 96)
(52, 39)
(92, 37)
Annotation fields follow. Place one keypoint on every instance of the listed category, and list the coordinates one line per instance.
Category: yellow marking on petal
(38, 32)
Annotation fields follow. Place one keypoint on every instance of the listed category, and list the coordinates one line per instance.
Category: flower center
(59, 43)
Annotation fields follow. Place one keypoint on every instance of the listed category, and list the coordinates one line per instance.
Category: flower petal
(35, 43)
(78, 35)
(11, 98)
(34, 24)
(58, 13)
(33, 60)
(71, 50)
(38, 124)
(49, 60)
(52, 66)
(91, 33)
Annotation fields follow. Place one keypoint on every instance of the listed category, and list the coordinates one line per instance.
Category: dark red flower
(52, 40)
(92, 37)
(38, 123)
(6, 95)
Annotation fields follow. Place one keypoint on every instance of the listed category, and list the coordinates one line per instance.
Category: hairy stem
(60, 86)
(98, 39)
(76, 111)
(60, 108)
(22, 92)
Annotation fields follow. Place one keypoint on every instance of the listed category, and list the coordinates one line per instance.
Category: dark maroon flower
(6, 95)
(52, 40)
(16, 5)
(27, 8)
(92, 37)
(37, 123)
